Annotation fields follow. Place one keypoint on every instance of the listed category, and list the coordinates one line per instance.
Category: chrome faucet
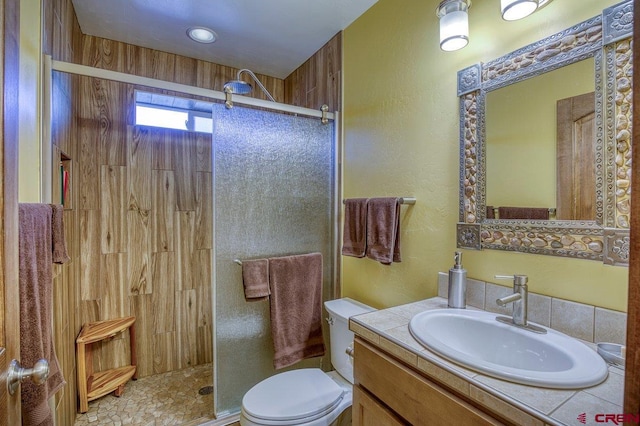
(519, 298)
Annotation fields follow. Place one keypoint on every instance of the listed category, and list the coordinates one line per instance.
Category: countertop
(524, 405)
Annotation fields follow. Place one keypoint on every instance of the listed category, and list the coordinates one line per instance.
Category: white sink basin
(477, 341)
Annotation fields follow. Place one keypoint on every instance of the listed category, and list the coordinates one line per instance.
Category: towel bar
(238, 261)
(403, 200)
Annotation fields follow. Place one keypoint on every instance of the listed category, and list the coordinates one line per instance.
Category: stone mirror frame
(606, 38)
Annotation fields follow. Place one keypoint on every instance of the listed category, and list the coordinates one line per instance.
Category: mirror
(545, 144)
(522, 147)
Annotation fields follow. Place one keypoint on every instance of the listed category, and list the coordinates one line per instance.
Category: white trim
(191, 90)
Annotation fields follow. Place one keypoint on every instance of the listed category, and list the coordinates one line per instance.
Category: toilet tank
(341, 338)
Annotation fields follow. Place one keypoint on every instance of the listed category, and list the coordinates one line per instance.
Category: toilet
(309, 396)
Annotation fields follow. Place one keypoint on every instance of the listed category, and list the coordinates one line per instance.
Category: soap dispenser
(457, 284)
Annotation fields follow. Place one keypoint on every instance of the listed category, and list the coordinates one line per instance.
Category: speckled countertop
(524, 405)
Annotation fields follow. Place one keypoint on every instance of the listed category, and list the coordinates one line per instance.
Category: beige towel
(36, 299)
(539, 213)
(383, 230)
(354, 237)
(255, 278)
(296, 308)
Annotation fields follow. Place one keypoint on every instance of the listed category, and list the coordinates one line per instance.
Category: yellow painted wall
(29, 99)
(401, 139)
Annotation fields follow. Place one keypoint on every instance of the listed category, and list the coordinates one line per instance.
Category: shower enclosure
(158, 216)
(274, 192)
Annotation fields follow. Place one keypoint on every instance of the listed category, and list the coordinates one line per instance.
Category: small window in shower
(171, 112)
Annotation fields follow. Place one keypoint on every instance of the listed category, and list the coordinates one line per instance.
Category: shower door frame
(51, 65)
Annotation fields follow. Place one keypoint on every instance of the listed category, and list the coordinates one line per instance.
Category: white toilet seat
(295, 397)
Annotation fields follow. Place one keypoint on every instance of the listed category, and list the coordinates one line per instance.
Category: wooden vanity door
(368, 411)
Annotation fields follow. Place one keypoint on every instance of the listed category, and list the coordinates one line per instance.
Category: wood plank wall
(117, 56)
(145, 231)
(319, 80)
(59, 24)
(138, 226)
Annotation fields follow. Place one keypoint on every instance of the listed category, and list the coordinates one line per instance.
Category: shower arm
(253, 76)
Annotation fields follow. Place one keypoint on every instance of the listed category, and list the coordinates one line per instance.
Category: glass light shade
(517, 9)
(454, 24)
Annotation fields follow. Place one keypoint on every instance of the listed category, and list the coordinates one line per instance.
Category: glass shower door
(274, 195)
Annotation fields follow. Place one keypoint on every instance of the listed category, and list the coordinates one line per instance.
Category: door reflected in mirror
(540, 142)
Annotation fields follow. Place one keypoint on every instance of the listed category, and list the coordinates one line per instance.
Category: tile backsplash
(585, 322)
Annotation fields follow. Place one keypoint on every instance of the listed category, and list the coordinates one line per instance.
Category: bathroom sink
(474, 339)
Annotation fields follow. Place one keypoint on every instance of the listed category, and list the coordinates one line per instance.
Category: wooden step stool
(94, 385)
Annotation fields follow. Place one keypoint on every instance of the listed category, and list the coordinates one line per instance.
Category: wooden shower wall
(59, 27)
(144, 202)
(135, 225)
(318, 81)
(117, 56)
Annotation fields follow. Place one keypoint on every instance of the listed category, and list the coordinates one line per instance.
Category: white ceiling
(271, 37)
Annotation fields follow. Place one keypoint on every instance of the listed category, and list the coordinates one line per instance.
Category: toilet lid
(293, 395)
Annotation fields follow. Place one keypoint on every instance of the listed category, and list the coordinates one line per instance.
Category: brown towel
(383, 230)
(523, 213)
(255, 278)
(57, 237)
(296, 308)
(354, 238)
(36, 299)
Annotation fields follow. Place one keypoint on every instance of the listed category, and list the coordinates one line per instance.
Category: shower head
(240, 87)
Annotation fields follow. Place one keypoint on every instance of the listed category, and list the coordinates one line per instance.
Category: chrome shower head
(238, 87)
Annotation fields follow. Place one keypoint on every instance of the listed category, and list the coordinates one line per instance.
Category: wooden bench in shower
(94, 385)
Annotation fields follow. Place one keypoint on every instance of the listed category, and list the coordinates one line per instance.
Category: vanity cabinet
(387, 392)
(367, 410)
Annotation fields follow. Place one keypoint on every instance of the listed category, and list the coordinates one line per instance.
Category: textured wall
(401, 138)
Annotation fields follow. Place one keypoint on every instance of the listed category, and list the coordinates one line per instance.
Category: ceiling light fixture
(454, 24)
(517, 9)
(202, 35)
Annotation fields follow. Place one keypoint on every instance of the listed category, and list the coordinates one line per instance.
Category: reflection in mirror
(528, 168)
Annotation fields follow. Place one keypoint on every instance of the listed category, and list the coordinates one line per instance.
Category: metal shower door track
(71, 68)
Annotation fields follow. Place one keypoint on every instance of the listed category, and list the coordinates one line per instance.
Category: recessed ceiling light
(202, 35)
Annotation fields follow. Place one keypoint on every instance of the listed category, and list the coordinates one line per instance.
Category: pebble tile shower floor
(163, 399)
